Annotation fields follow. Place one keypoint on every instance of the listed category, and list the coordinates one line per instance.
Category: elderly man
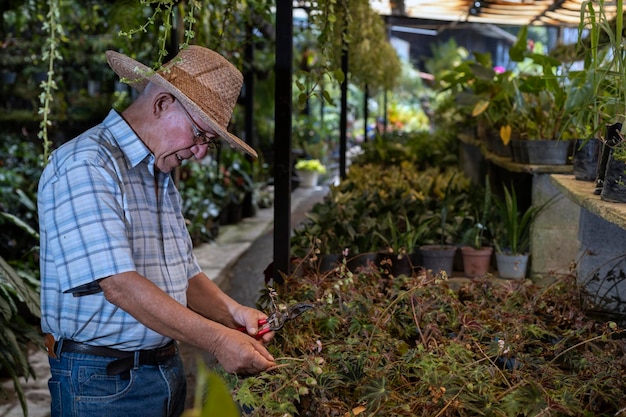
(120, 283)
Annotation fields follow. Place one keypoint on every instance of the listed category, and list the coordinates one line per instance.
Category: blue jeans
(80, 387)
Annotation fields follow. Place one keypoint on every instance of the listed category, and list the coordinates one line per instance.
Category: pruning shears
(277, 319)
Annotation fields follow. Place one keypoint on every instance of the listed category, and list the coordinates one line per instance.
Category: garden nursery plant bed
(378, 345)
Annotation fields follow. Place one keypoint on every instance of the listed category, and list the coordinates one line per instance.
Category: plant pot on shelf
(519, 151)
(614, 186)
(611, 139)
(512, 266)
(495, 144)
(438, 258)
(476, 261)
(585, 161)
(548, 152)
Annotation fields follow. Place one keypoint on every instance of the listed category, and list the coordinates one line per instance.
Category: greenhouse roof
(564, 13)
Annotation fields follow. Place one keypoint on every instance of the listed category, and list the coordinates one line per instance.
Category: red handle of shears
(262, 330)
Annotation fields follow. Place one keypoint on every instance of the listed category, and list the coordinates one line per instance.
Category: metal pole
(365, 111)
(343, 124)
(282, 138)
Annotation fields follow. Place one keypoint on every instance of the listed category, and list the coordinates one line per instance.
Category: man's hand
(237, 352)
(249, 318)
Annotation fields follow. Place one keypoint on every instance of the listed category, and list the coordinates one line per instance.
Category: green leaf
(20, 223)
(29, 296)
(518, 51)
(219, 402)
(339, 75)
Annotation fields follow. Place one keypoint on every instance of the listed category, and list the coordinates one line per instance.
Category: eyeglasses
(202, 137)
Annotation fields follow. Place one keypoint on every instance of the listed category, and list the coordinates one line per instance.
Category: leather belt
(125, 360)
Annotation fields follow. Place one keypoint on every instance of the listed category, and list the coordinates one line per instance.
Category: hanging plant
(54, 29)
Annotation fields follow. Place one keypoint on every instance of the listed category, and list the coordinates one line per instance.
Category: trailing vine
(221, 25)
(52, 25)
(166, 8)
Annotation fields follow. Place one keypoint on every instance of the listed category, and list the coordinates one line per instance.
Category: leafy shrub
(425, 346)
(19, 270)
(355, 214)
(20, 168)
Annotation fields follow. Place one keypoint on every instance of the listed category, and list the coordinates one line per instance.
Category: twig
(580, 344)
(417, 324)
(494, 364)
(449, 402)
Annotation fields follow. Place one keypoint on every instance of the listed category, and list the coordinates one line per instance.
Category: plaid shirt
(99, 215)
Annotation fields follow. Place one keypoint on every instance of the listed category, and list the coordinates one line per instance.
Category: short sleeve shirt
(105, 209)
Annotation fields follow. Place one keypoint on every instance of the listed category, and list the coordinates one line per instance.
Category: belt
(125, 360)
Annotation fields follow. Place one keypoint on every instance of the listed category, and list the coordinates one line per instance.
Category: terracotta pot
(476, 261)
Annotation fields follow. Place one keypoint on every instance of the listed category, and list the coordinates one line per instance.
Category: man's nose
(200, 151)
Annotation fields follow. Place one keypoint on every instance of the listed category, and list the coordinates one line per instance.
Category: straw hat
(203, 80)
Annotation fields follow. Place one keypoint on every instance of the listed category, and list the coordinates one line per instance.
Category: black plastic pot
(586, 156)
(548, 152)
(614, 187)
(612, 138)
(519, 152)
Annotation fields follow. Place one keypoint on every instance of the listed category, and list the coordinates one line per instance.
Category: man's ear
(161, 103)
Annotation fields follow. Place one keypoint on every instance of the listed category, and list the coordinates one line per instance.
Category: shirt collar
(130, 144)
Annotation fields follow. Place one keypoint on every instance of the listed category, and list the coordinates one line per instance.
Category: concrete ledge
(581, 193)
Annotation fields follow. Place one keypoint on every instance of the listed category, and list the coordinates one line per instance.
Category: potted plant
(476, 252)
(613, 177)
(512, 239)
(440, 257)
(545, 95)
(309, 170)
(607, 77)
(401, 239)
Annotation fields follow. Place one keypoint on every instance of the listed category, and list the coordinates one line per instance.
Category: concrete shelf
(581, 193)
(508, 164)
(601, 259)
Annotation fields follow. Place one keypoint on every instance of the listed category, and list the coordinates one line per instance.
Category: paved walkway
(236, 261)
